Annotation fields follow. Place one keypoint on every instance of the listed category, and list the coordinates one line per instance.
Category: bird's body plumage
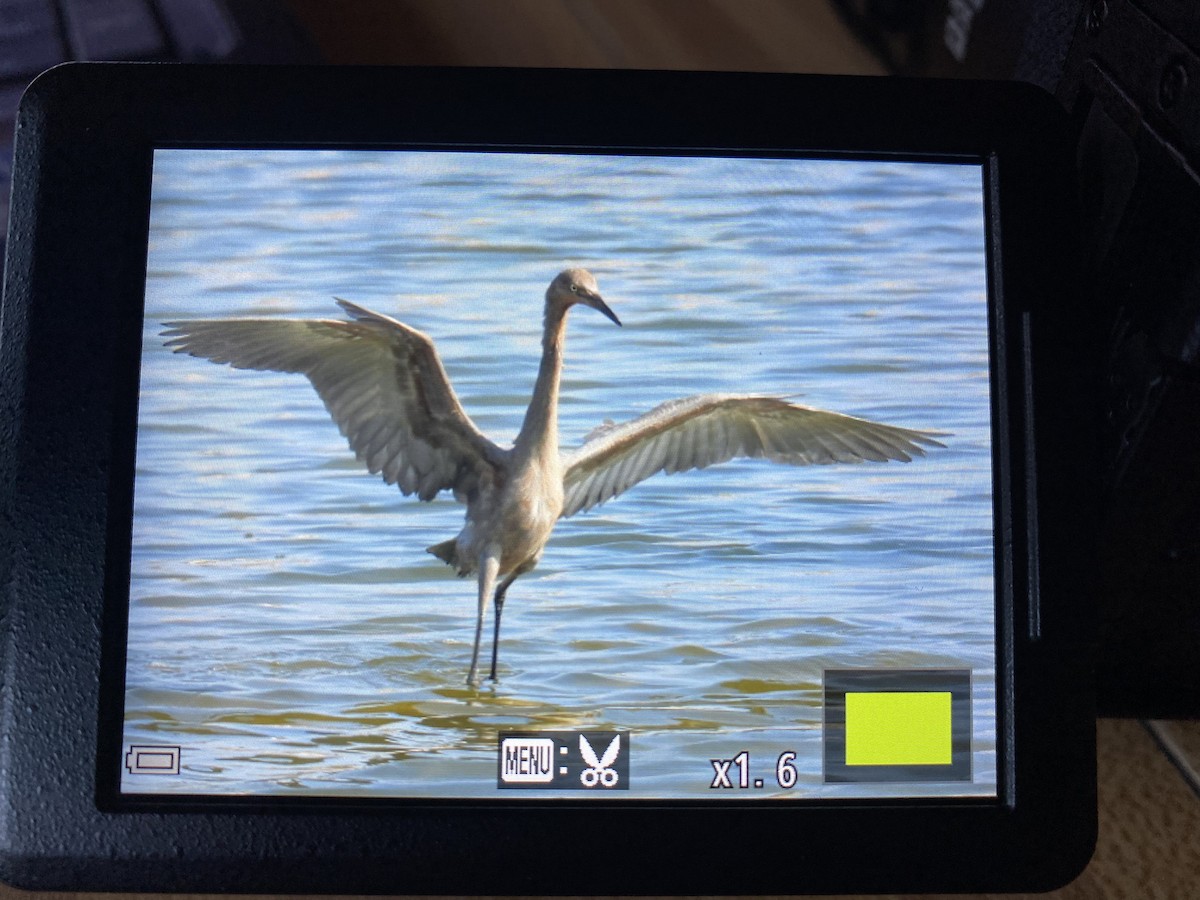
(385, 388)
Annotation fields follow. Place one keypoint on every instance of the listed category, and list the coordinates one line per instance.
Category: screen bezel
(86, 141)
(110, 775)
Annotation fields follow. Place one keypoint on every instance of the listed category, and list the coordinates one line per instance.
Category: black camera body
(227, 670)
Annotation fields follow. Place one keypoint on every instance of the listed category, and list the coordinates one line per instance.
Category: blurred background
(1128, 75)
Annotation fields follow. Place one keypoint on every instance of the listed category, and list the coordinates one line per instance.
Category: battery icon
(150, 759)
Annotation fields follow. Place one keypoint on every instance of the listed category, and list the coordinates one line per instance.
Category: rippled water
(286, 626)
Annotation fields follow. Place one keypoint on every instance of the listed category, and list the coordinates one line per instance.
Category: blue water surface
(287, 628)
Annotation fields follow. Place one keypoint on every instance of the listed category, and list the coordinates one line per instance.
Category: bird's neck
(539, 431)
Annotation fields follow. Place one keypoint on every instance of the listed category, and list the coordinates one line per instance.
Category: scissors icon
(599, 771)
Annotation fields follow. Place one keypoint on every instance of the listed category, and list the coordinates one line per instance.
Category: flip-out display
(804, 349)
(449, 482)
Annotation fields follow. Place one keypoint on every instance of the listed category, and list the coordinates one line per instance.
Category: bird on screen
(384, 385)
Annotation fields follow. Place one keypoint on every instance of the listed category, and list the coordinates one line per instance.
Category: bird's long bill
(595, 301)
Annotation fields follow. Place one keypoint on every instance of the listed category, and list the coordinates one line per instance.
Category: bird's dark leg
(500, 592)
(489, 564)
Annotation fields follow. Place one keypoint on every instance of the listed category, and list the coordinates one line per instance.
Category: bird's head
(573, 286)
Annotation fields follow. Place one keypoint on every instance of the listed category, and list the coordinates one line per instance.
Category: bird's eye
(574, 289)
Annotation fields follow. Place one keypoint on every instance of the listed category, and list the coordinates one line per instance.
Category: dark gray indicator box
(563, 760)
(897, 725)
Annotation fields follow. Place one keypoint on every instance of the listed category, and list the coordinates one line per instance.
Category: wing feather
(646, 462)
(678, 453)
(381, 381)
(696, 432)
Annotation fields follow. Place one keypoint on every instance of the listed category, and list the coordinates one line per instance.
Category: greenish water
(287, 628)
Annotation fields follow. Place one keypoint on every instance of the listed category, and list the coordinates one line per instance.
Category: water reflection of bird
(387, 391)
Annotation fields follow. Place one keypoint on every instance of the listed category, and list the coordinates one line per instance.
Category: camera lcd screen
(791, 624)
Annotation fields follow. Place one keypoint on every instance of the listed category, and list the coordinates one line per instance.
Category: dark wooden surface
(726, 35)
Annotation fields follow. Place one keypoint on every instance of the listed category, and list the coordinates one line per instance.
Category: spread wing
(381, 381)
(700, 431)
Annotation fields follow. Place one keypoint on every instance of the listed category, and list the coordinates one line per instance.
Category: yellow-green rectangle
(898, 728)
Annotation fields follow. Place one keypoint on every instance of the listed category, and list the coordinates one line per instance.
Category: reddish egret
(385, 387)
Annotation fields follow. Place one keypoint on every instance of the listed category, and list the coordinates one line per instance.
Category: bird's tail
(446, 551)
